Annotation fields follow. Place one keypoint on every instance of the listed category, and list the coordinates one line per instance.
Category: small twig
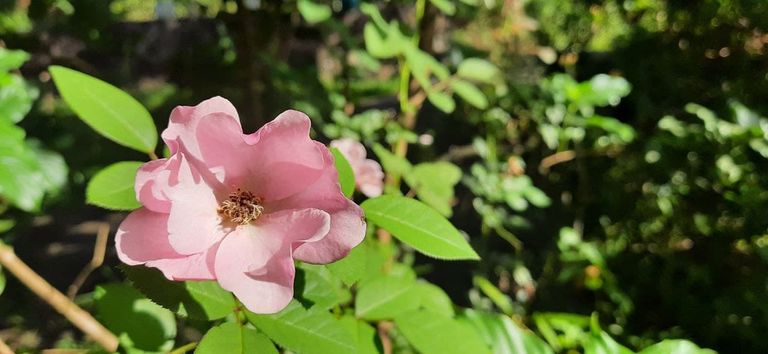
(509, 237)
(386, 343)
(458, 153)
(79, 317)
(4, 348)
(556, 158)
(184, 348)
(99, 249)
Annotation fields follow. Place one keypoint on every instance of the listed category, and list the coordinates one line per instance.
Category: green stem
(184, 348)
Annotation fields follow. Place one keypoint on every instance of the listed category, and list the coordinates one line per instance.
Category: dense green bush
(603, 158)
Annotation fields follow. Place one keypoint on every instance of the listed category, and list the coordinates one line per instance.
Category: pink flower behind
(239, 208)
(369, 178)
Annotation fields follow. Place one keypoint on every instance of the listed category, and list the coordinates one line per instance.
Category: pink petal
(347, 223)
(194, 224)
(350, 148)
(255, 263)
(285, 159)
(142, 239)
(346, 231)
(369, 178)
(277, 161)
(150, 186)
(184, 119)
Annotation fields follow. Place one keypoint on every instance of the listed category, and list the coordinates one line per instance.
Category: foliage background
(641, 199)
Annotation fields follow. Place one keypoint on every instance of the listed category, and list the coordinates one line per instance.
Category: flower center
(242, 207)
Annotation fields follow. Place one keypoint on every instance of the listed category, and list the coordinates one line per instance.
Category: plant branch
(99, 249)
(184, 348)
(79, 317)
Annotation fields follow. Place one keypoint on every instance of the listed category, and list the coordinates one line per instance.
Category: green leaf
(21, 176)
(625, 132)
(675, 346)
(442, 101)
(434, 183)
(204, 300)
(470, 93)
(480, 70)
(445, 6)
(600, 342)
(12, 59)
(52, 166)
(313, 12)
(419, 226)
(137, 321)
(232, 338)
(318, 287)
(386, 297)
(16, 98)
(378, 44)
(351, 268)
(346, 175)
(367, 338)
(503, 335)
(435, 333)
(501, 300)
(113, 187)
(107, 109)
(392, 163)
(434, 299)
(313, 331)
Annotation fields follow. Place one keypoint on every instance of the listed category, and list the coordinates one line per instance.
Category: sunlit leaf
(675, 346)
(386, 297)
(367, 337)
(419, 226)
(442, 101)
(313, 12)
(313, 331)
(435, 333)
(113, 187)
(470, 93)
(504, 336)
(232, 338)
(479, 70)
(434, 298)
(138, 322)
(107, 109)
(346, 175)
(351, 268)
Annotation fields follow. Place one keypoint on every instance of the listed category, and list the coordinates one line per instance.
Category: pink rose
(239, 208)
(369, 179)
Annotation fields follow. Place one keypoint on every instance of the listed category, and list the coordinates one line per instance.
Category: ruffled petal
(268, 290)
(142, 238)
(184, 120)
(285, 160)
(150, 184)
(255, 263)
(347, 228)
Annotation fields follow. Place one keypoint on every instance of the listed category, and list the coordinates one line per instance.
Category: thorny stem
(79, 317)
